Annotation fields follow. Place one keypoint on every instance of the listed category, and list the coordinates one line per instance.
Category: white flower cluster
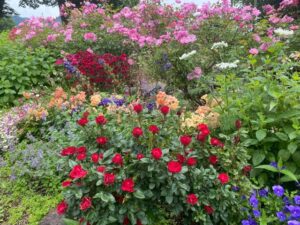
(224, 65)
(283, 33)
(221, 44)
(187, 55)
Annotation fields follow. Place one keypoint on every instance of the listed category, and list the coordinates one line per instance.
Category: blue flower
(150, 106)
(293, 222)
(245, 222)
(297, 199)
(235, 188)
(281, 216)
(118, 102)
(263, 192)
(286, 200)
(105, 102)
(256, 213)
(253, 201)
(274, 164)
(295, 211)
(278, 190)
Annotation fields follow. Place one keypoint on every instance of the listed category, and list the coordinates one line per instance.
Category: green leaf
(107, 197)
(292, 147)
(169, 199)
(72, 163)
(258, 157)
(268, 167)
(70, 222)
(139, 194)
(282, 136)
(289, 174)
(260, 134)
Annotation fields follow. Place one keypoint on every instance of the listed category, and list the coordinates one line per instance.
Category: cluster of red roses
(127, 185)
(101, 69)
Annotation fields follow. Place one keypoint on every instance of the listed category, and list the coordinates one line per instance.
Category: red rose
(77, 172)
(81, 156)
(180, 158)
(127, 185)
(174, 167)
(208, 209)
(153, 129)
(139, 156)
(192, 199)
(82, 122)
(61, 208)
(81, 150)
(205, 132)
(101, 169)
(202, 127)
(201, 137)
(126, 221)
(102, 140)
(138, 108)
(223, 178)
(137, 132)
(192, 161)
(238, 124)
(66, 183)
(165, 110)
(68, 151)
(109, 178)
(156, 153)
(85, 114)
(247, 169)
(86, 203)
(117, 159)
(185, 140)
(213, 159)
(216, 142)
(138, 222)
(101, 120)
(95, 157)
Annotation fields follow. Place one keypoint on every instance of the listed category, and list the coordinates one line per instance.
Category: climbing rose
(174, 167)
(213, 159)
(101, 169)
(216, 142)
(78, 172)
(192, 199)
(138, 108)
(139, 156)
(223, 178)
(117, 159)
(165, 110)
(137, 132)
(153, 129)
(81, 156)
(82, 122)
(95, 157)
(109, 178)
(62, 207)
(208, 209)
(202, 126)
(66, 183)
(185, 140)
(156, 153)
(86, 203)
(127, 185)
(192, 161)
(68, 151)
(102, 140)
(101, 120)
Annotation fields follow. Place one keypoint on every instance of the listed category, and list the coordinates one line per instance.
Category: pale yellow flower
(95, 99)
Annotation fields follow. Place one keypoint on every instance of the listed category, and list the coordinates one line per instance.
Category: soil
(52, 219)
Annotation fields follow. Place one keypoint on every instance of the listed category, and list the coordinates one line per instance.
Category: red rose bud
(139, 156)
(156, 153)
(138, 108)
(66, 183)
(61, 207)
(138, 222)
(101, 120)
(82, 122)
(201, 137)
(127, 185)
(202, 127)
(95, 157)
(192, 161)
(192, 199)
(174, 167)
(185, 140)
(137, 132)
(102, 140)
(68, 151)
(85, 114)
(238, 124)
(81, 156)
(178, 113)
(165, 110)
(126, 221)
(101, 169)
(86, 203)
(117, 159)
(180, 158)
(247, 169)
(223, 178)
(81, 150)
(77, 172)
(213, 159)
(236, 140)
(108, 179)
(153, 129)
(208, 209)
(216, 142)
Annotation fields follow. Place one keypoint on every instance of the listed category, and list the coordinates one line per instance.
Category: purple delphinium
(118, 101)
(235, 188)
(293, 222)
(278, 190)
(150, 106)
(256, 213)
(253, 201)
(263, 192)
(294, 211)
(281, 216)
(297, 200)
(105, 102)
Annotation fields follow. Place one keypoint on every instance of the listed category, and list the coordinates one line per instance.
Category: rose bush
(126, 166)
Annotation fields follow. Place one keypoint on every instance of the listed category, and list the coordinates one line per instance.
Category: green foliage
(6, 24)
(22, 68)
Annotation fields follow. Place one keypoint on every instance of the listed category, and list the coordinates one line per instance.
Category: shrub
(129, 165)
